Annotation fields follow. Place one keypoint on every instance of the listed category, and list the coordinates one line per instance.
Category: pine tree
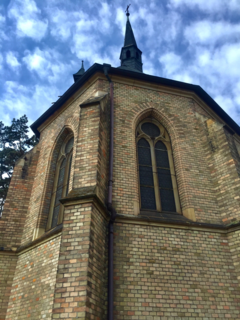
(14, 142)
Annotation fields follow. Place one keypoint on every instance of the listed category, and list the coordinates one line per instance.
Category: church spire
(131, 56)
(79, 74)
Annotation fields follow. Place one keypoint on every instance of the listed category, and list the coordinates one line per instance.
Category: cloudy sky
(42, 43)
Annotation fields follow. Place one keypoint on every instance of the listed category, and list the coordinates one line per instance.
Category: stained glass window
(62, 183)
(164, 178)
(69, 145)
(146, 175)
(68, 180)
(155, 175)
(150, 129)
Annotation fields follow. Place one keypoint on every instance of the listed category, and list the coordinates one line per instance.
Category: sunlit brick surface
(81, 279)
(163, 273)
(7, 269)
(34, 283)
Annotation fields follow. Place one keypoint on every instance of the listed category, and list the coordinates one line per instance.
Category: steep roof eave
(140, 76)
(70, 91)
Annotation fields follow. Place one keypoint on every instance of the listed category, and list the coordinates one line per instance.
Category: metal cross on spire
(127, 12)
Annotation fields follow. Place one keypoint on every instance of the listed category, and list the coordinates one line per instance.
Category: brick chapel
(129, 205)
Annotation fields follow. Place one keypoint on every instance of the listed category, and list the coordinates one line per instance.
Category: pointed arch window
(61, 183)
(157, 180)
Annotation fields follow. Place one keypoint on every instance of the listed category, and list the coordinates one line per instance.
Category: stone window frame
(165, 138)
(62, 155)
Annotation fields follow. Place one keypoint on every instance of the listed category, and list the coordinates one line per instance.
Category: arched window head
(128, 54)
(61, 182)
(157, 181)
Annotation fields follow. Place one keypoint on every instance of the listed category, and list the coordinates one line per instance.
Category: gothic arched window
(128, 54)
(158, 187)
(61, 183)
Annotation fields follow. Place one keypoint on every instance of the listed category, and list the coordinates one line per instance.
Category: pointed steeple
(129, 36)
(79, 74)
(131, 56)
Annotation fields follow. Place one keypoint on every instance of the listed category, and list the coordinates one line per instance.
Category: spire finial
(127, 12)
(79, 74)
(130, 55)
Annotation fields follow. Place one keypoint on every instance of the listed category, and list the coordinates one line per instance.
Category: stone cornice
(53, 233)
(177, 224)
(85, 195)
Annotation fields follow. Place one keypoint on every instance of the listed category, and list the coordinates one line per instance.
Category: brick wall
(39, 202)
(234, 245)
(199, 169)
(233, 148)
(87, 147)
(103, 150)
(173, 274)
(97, 267)
(17, 202)
(7, 269)
(224, 171)
(159, 272)
(34, 282)
(81, 278)
(178, 115)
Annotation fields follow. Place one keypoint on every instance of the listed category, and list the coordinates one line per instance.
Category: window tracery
(157, 180)
(61, 183)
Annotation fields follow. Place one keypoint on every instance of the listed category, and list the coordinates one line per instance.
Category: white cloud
(208, 32)
(3, 36)
(105, 14)
(224, 61)
(11, 59)
(229, 105)
(32, 100)
(210, 6)
(28, 18)
(88, 42)
(178, 44)
(62, 23)
(171, 63)
(236, 92)
(47, 64)
(120, 20)
(155, 29)
(216, 71)
(2, 19)
(149, 67)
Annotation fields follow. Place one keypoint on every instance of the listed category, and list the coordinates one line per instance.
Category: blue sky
(42, 43)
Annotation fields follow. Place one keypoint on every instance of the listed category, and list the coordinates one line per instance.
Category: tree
(14, 142)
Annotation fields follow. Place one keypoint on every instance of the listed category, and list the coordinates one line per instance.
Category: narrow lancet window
(164, 177)
(146, 175)
(61, 183)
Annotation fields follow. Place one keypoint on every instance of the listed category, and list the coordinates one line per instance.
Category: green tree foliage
(14, 142)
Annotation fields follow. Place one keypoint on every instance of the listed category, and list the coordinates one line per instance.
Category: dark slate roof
(129, 68)
(80, 72)
(129, 36)
(138, 76)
